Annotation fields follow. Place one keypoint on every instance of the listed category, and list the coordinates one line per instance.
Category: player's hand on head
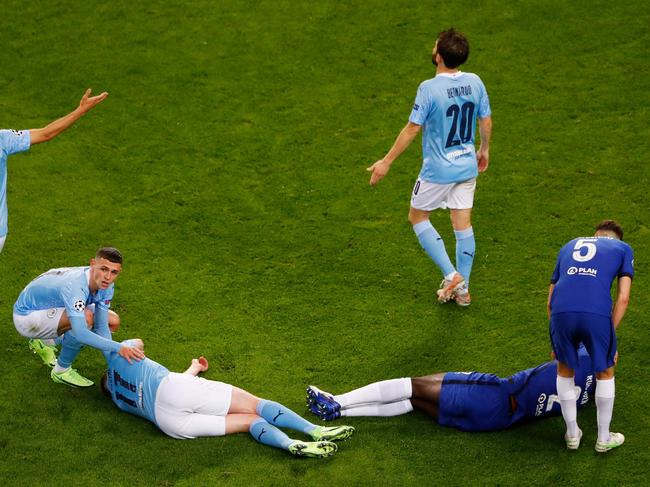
(379, 169)
(88, 102)
(131, 353)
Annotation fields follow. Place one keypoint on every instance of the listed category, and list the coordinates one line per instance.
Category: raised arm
(55, 128)
(380, 168)
(622, 299)
(483, 153)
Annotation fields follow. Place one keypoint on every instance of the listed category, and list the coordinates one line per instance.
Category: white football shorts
(42, 323)
(190, 407)
(428, 196)
(2, 242)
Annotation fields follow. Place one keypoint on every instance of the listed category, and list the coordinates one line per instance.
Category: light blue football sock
(432, 243)
(283, 417)
(465, 250)
(268, 434)
(69, 350)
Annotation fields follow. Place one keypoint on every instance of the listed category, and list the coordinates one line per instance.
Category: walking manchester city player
(446, 108)
(580, 310)
(68, 301)
(185, 406)
(468, 401)
(12, 141)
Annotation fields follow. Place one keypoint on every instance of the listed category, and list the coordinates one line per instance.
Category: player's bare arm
(53, 129)
(483, 153)
(622, 300)
(380, 168)
(548, 302)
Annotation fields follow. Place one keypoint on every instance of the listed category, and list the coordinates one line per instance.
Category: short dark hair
(103, 385)
(611, 226)
(109, 253)
(453, 47)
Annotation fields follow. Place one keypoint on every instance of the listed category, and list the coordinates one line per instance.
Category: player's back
(584, 272)
(447, 107)
(46, 290)
(535, 389)
(134, 385)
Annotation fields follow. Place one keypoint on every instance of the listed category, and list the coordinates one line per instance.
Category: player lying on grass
(469, 401)
(185, 406)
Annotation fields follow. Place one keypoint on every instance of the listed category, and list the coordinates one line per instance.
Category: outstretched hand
(379, 169)
(88, 102)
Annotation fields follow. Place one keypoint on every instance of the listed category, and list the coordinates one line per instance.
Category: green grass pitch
(228, 164)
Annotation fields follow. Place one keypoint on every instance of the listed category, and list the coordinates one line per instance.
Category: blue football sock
(69, 350)
(465, 250)
(283, 417)
(268, 434)
(432, 243)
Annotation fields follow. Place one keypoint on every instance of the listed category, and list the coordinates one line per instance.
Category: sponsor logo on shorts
(582, 271)
(51, 313)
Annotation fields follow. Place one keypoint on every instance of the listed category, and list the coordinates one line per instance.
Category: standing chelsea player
(446, 108)
(12, 141)
(580, 311)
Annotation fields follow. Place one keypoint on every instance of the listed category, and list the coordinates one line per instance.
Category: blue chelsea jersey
(584, 272)
(11, 141)
(447, 107)
(535, 390)
(133, 386)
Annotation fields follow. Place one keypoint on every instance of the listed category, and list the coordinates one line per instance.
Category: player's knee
(605, 374)
(113, 321)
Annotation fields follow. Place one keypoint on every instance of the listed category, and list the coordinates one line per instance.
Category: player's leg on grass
(605, 393)
(426, 393)
(465, 249)
(431, 242)
(386, 391)
(566, 393)
(282, 417)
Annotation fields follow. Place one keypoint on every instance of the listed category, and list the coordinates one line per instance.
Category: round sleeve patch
(79, 305)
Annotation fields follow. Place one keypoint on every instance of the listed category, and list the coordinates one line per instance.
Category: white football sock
(386, 409)
(378, 392)
(566, 393)
(58, 369)
(605, 392)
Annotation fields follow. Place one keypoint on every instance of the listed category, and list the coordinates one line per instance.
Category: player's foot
(71, 378)
(331, 433)
(324, 401)
(572, 443)
(448, 288)
(314, 449)
(47, 353)
(323, 415)
(462, 296)
(615, 440)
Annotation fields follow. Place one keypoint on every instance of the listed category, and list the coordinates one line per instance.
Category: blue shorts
(595, 331)
(474, 402)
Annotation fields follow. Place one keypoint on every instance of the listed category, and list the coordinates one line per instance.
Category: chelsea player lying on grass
(185, 406)
(469, 401)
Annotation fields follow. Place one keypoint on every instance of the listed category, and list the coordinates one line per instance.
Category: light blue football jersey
(11, 141)
(68, 288)
(133, 386)
(447, 107)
